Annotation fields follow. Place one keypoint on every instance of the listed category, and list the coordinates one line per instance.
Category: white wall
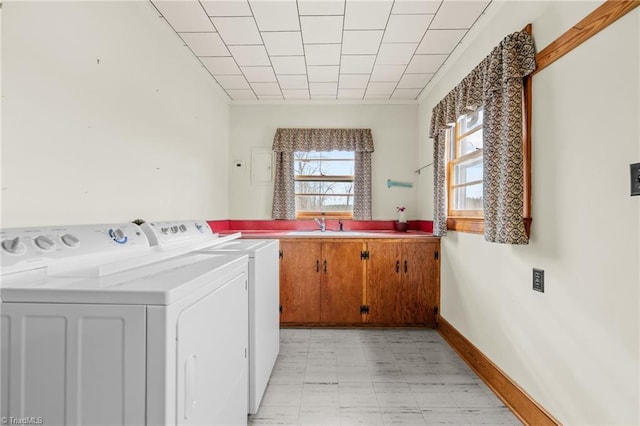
(141, 134)
(395, 137)
(574, 348)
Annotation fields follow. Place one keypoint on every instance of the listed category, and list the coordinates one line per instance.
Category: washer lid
(160, 283)
(250, 246)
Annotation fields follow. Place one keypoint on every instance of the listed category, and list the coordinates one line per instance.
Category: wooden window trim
(326, 215)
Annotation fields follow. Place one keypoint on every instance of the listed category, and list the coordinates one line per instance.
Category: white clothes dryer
(264, 299)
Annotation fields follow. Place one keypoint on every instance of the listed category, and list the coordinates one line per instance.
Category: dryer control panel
(31, 248)
(172, 233)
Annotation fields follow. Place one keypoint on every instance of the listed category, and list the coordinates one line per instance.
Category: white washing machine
(264, 299)
(100, 328)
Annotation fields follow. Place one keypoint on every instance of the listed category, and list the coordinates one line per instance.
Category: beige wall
(395, 136)
(142, 134)
(574, 348)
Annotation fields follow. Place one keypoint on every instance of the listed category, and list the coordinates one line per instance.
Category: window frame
(324, 178)
(456, 159)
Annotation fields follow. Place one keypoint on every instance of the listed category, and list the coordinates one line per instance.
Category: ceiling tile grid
(321, 49)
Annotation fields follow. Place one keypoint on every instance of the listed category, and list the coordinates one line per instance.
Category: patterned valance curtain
(288, 141)
(496, 83)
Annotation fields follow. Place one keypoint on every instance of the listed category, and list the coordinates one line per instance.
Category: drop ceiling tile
(283, 43)
(369, 96)
(250, 55)
(414, 81)
(321, 7)
(322, 54)
(351, 93)
(406, 28)
(387, 72)
(205, 44)
(367, 15)
(321, 29)
(221, 65)
(440, 41)
(458, 14)
(270, 97)
(237, 30)
(293, 81)
(380, 88)
(259, 74)
(184, 16)
(396, 53)
(227, 7)
(289, 64)
(323, 73)
(357, 64)
(275, 15)
(406, 93)
(424, 64)
(233, 82)
(262, 89)
(295, 93)
(415, 6)
(353, 81)
(323, 89)
(241, 94)
(361, 42)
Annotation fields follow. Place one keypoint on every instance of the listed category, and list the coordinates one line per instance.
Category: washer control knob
(70, 240)
(183, 228)
(13, 245)
(164, 230)
(45, 243)
(118, 235)
(174, 229)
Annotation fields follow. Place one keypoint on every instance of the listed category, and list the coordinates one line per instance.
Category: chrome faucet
(321, 223)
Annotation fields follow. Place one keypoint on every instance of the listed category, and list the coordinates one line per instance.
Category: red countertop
(309, 229)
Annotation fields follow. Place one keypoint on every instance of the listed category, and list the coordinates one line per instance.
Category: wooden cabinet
(402, 282)
(321, 281)
(375, 281)
(299, 281)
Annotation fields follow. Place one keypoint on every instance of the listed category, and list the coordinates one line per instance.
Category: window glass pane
(328, 203)
(468, 171)
(324, 188)
(471, 121)
(468, 197)
(471, 143)
(324, 163)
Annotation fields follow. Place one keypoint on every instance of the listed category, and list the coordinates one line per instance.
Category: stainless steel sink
(330, 234)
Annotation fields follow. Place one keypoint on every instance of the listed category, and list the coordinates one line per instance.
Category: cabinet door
(300, 268)
(384, 272)
(420, 282)
(343, 272)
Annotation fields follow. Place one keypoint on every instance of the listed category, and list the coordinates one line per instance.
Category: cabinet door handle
(325, 265)
(405, 267)
(397, 266)
(317, 266)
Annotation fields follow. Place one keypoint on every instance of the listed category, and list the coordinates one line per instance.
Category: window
(324, 183)
(465, 166)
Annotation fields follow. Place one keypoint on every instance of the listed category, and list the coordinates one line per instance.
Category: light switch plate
(538, 280)
(635, 178)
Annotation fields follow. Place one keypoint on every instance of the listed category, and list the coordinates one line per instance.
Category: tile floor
(375, 377)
